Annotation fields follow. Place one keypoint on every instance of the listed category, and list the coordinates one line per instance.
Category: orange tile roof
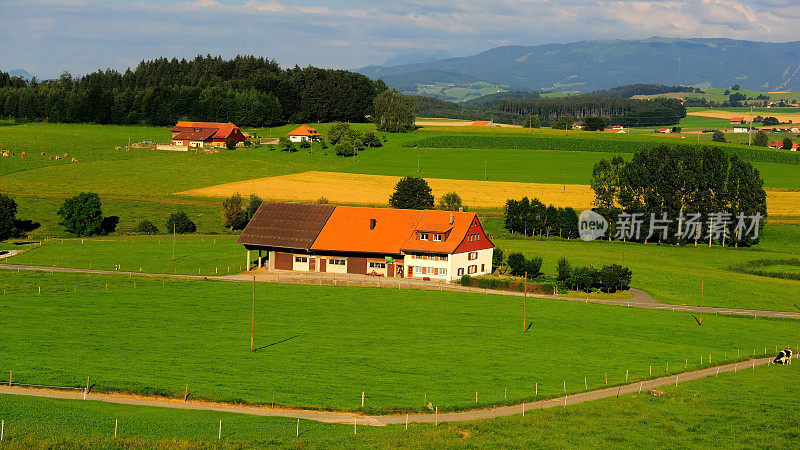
(223, 130)
(304, 130)
(480, 123)
(436, 221)
(347, 230)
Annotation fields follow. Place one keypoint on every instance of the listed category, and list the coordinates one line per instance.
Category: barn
(425, 244)
(205, 134)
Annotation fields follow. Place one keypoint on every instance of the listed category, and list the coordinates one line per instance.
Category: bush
(109, 224)
(583, 278)
(82, 215)
(8, 211)
(231, 208)
(146, 227)
(305, 144)
(240, 221)
(520, 266)
(614, 277)
(787, 144)
(761, 139)
(451, 202)
(346, 147)
(466, 280)
(718, 136)
(497, 258)
(286, 145)
(563, 269)
(179, 222)
(370, 140)
(770, 121)
(230, 143)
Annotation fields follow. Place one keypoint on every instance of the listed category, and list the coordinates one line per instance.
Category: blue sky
(47, 37)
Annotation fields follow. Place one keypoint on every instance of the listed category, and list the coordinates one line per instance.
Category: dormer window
(437, 237)
(423, 236)
(373, 223)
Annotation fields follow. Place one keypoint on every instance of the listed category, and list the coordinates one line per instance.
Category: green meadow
(322, 346)
(749, 408)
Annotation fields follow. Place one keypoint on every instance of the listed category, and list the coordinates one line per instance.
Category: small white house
(304, 133)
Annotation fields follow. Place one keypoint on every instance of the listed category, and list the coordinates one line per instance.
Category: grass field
(323, 346)
(750, 408)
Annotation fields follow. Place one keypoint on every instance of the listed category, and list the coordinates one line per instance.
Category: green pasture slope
(671, 274)
(750, 408)
(322, 346)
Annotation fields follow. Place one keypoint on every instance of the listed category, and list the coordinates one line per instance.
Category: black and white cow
(784, 357)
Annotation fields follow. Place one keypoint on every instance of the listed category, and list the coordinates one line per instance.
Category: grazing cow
(784, 357)
(42, 153)
(58, 157)
(74, 160)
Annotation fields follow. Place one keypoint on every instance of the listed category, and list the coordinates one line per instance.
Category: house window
(336, 262)
(460, 271)
(423, 236)
(417, 269)
(442, 271)
(372, 223)
(472, 256)
(377, 265)
(483, 267)
(472, 269)
(437, 237)
(300, 259)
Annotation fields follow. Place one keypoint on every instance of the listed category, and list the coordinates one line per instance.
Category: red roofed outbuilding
(205, 134)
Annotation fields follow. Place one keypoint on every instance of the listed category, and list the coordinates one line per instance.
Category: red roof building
(779, 144)
(737, 120)
(430, 244)
(482, 123)
(304, 133)
(205, 134)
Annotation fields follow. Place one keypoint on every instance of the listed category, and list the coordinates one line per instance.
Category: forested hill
(246, 90)
(594, 65)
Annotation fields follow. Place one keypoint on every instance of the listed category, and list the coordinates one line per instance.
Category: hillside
(594, 65)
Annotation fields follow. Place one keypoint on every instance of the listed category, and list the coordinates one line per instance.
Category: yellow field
(350, 188)
(783, 118)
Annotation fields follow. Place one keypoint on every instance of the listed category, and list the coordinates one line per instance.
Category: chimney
(452, 218)
(372, 223)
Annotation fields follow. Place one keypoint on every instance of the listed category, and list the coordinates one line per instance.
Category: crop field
(323, 346)
(344, 188)
(702, 413)
(783, 117)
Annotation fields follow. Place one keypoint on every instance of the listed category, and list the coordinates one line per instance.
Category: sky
(47, 37)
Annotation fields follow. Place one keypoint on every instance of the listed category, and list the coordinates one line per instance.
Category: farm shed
(427, 244)
(205, 134)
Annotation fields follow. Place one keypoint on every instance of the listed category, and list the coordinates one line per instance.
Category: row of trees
(532, 217)
(611, 278)
(10, 225)
(246, 90)
(415, 193)
(619, 111)
(673, 182)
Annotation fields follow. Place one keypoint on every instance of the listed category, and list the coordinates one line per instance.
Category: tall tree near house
(594, 123)
(8, 211)
(394, 112)
(787, 143)
(451, 202)
(761, 139)
(231, 208)
(82, 214)
(412, 193)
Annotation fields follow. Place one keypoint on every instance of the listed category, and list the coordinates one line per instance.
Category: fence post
(86, 390)
(219, 436)
(2, 429)
(298, 428)
(362, 399)
(116, 424)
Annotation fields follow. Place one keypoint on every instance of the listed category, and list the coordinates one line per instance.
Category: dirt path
(346, 417)
(639, 299)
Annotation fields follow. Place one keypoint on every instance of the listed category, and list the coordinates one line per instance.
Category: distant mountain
(595, 65)
(415, 58)
(492, 100)
(20, 73)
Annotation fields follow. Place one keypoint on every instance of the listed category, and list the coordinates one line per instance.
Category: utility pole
(750, 128)
(253, 316)
(702, 283)
(525, 305)
(173, 241)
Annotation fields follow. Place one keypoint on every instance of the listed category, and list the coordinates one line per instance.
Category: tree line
(618, 111)
(532, 217)
(246, 90)
(674, 182)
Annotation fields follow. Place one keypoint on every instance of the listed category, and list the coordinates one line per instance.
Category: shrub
(487, 282)
(563, 269)
(8, 211)
(82, 215)
(583, 278)
(286, 145)
(451, 202)
(146, 227)
(109, 224)
(718, 136)
(322, 201)
(231, 208)
(179, 222)
(519, 265)
(770, 121)
(370, 140)
(466, 280)
(230, 143)
(761, 139)
(614, 277)
(240, 221)
(346, 147)
(305, 144)
(497, 258)
(787, 144)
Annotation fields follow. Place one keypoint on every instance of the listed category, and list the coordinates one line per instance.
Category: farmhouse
(304, 133)
(482, 123)
(615, 129)
(779, 144)
(738, 120)
(664, 130)
(429, 244)
(205, 134)
(741, 129)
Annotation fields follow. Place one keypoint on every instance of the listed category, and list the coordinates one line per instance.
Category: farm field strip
(350, 188)
(696, 413)
(782, 116)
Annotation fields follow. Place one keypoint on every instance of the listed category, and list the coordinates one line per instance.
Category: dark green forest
(245, 90)
(618, 111)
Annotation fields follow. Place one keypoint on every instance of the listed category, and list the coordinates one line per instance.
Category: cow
(784, 357)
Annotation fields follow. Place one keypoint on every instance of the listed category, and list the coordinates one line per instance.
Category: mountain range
(592, 65)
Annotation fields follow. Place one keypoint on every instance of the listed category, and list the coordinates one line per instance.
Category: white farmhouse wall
(412, 261)
(300, 266)
(333, 268)
(462, 261)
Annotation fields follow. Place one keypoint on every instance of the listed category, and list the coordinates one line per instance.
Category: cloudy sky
(47, 37)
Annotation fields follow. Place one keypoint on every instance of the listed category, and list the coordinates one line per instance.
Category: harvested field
(784, 118)
(456, 123)
(349, 188)
(352, 188)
